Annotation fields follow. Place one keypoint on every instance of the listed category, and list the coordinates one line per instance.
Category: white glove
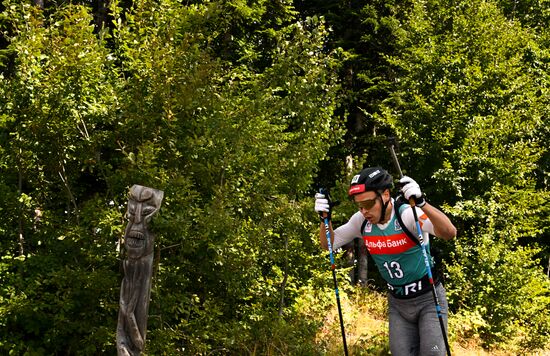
(321, 204)
(411, 189)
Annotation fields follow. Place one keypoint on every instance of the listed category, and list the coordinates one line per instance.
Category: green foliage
(464, 86)
(231, 131)
(229, 107)
(505, 289)
(469, 104)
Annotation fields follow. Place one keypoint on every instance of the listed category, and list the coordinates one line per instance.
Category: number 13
(394, 269)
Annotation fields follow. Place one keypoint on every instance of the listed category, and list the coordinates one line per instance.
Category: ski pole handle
(331, 204)
(412, 200)
(391, 144)
(325, 215)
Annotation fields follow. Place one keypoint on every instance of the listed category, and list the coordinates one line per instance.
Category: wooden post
(135, 291)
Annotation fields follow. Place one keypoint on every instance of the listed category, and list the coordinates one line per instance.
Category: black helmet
(370, 179)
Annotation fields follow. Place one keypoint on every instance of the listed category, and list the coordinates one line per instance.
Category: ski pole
(424, 251)
(333, 267)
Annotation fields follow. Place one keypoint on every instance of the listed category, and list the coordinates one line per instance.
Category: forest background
(239, 111)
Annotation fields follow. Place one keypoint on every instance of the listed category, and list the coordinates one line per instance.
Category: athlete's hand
(411, 189)
(322, 205)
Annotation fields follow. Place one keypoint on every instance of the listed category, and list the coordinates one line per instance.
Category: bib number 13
(394, 269)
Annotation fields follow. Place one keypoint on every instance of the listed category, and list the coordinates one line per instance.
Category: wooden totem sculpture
(143, 203)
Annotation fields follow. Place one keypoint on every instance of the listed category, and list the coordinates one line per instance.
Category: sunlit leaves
(226, 106)
(468, 105)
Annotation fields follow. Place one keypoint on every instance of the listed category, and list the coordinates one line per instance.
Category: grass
(365, 321)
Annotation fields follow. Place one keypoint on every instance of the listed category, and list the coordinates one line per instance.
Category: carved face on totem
(143, 203)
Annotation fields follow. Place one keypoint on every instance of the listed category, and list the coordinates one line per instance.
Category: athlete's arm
(442, 226)
(343, 234)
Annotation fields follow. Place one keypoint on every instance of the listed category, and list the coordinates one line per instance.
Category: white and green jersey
(399, 258)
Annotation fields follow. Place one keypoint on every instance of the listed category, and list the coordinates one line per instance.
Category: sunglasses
(366, 204)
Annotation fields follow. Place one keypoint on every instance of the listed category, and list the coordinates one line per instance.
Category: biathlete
(413, 321)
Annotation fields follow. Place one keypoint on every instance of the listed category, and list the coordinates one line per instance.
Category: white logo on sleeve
(368, 227)
(396, 226)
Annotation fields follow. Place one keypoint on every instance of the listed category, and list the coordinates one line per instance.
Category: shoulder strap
(361, 234)
(363, 226)
(400, 201)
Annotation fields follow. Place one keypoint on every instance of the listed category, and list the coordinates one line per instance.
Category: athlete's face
(370, 205)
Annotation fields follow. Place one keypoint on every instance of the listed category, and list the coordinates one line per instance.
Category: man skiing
(389, 231)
